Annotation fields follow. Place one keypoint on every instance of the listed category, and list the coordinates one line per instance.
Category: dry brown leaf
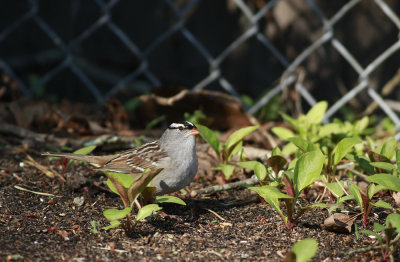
(396, 197)
(339, 222)
(63, 233)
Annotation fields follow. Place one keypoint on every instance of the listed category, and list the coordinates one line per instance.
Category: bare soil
(222, 226)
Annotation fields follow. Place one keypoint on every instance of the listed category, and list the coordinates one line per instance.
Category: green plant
(307, 169)
(391, 231)
(338, 191)
(307, 131)
(303, 250)
(226, 151)
(129, 189)
(276, 164)
(364, 200)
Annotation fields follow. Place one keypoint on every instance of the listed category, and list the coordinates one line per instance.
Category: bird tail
(97, 161)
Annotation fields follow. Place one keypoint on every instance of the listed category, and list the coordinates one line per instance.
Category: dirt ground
(231, 226)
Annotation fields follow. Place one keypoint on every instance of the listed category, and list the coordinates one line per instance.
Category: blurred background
(272, 56)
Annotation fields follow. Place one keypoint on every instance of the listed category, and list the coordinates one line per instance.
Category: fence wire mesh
(177, 23)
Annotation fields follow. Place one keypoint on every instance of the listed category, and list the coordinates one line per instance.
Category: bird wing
(134, 162)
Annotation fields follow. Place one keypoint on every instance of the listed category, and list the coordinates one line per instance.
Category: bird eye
(180, 128)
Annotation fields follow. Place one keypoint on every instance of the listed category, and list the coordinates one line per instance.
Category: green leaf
(365, 164)
(169, 199)
(345, 198)
(211, 137)
(372, 233)
(258, 168)
(293, 122)
(383, 165)
(125, 180)
(113, 224)
(269, 192)
(323, 205)
(394, 221)
(302, 144)
(373, 189)
(308, 169)
(355, 191)
(289, 149)
(147, 210)
(361, 125)
(382, 204)
(305, 249)
(356, 231)
(238, 135)
(271, 195)
(398, 160)
(116, 214)
(328, 129)
(335, 188)
(316, 113)
(344, 147)
(388, 181)
(226, 169)
(85, 150)
(234, 150)
(389, 147)
(378, 227)
(283, 133)
(277, 152)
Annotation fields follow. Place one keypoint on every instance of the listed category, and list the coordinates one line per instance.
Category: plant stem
(128, 223)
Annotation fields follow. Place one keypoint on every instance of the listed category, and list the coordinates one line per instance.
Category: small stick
(215, 213)
(35, 192)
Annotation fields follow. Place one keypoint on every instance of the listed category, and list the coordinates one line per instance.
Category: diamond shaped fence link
(216, 74)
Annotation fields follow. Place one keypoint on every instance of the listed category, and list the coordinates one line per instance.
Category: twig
(247, 182)
(110, 249)
(341, 186)
(215, 213)
(10, 129)
(49, 172)
(35, 192)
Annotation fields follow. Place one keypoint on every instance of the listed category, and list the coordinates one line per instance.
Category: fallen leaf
(53, 228)
(63, 233)
(339, 222)
(396, 197)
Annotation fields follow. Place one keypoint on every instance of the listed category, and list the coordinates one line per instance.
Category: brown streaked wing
(135, 161)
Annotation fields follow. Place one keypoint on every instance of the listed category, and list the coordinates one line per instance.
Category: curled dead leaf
(339, 222)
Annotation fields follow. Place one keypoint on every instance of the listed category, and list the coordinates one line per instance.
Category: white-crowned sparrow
(175, 152)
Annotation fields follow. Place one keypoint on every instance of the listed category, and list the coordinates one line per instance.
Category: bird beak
(194, 132)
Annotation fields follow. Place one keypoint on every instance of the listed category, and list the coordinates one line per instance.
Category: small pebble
(79, 201)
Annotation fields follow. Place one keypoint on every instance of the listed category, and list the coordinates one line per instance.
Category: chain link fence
(340, 51)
